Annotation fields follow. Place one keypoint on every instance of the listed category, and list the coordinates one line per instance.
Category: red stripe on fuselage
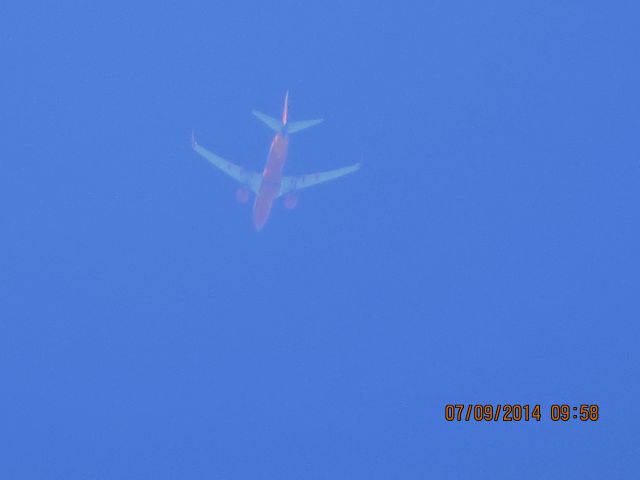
(271, 180)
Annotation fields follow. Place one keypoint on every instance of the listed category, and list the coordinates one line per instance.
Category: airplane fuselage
(271, 179)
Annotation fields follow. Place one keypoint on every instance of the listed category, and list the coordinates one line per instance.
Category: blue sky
(487, 252)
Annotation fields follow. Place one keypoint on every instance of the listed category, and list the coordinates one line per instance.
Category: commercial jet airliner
(272, 184)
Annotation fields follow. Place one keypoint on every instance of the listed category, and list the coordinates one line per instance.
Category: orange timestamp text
(514, 412)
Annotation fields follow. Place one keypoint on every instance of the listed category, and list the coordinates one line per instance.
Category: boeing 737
(272, 184)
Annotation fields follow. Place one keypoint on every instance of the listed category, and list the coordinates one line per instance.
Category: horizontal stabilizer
(293, 127)
(290, 127)
(275, 125)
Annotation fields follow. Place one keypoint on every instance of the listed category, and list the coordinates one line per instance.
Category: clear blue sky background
(486, 252)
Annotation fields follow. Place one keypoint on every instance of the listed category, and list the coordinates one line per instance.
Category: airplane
(271, 184)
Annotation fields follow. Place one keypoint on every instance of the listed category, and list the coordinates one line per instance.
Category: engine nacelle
(242, 194)
(290, 201)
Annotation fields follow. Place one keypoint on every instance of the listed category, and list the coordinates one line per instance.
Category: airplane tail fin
(284, 126)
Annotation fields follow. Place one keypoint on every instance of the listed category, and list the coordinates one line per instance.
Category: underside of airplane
(271, 184)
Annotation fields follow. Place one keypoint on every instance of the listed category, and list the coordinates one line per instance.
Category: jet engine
(290, 201)
(242, 194)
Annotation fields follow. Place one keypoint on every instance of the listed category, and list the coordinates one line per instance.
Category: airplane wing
(238, 173)
(291, 184)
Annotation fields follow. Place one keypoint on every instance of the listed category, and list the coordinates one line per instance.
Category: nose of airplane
(258, 225)
(259, 219)
(261, 211)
